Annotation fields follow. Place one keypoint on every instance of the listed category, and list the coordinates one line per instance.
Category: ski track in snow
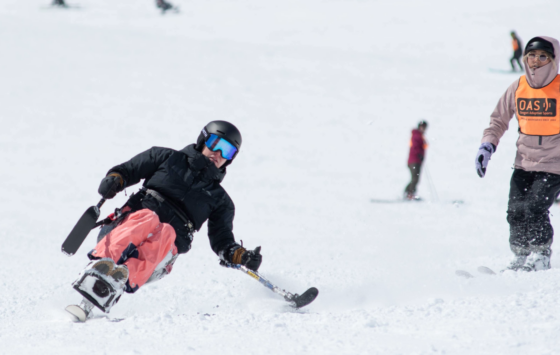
(325, 94)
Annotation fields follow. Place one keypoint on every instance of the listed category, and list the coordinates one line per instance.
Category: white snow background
(325, 94)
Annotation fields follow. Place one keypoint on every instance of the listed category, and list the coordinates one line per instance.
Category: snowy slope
(325, 94)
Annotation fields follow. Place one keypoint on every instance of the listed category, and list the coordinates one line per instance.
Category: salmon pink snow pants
(140, 242)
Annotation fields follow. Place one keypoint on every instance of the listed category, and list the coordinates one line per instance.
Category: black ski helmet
(539, 43)
(222, 129)
(423, 123)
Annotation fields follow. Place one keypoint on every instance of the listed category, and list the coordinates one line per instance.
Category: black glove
(110, 185)
(252, 259)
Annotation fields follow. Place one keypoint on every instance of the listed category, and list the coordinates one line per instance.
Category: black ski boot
(538, 260)
(517, 262)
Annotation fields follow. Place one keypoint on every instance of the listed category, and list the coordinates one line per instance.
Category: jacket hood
(203, 165)
(544, 75)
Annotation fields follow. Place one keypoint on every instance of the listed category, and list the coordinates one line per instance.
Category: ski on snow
(397, 200)
(62, 7)
(400, 200)
(482, 269)
(82, 312)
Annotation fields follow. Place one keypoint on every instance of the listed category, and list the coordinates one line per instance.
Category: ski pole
(431, 184)
(295, 300)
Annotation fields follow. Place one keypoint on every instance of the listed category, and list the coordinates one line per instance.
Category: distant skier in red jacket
(415, 158)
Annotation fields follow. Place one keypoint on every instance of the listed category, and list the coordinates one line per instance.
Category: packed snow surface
(325, 94)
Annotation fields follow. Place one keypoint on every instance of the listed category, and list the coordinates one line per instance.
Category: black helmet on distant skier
(222, 136)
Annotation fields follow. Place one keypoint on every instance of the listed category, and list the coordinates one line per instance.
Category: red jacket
(417, 148)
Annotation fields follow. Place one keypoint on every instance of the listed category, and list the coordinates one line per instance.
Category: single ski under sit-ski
(304, 299)
(81, 312)
(79, 315)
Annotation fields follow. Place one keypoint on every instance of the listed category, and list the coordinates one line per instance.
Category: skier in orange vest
(535, 182)
(517, 53)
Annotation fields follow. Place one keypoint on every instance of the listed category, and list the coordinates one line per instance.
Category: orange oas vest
(537, 109)
(515, 44)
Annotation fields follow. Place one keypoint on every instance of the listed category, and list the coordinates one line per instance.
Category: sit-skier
(181, 191)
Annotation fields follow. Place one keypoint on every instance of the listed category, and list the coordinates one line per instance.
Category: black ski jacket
(191, 182)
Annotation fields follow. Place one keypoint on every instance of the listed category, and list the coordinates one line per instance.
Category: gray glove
(483, 157)
(110, 185)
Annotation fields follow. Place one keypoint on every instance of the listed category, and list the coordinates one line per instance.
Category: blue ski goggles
(215, 143)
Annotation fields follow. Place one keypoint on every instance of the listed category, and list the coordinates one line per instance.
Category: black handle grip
(101, 202)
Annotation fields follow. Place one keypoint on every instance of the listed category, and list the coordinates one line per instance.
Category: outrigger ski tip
(85, 224)
(304, 299)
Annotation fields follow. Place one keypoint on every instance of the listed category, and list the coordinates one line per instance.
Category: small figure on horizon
(517, 52)
(415, 159)
(165, 6)
(60, 3)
